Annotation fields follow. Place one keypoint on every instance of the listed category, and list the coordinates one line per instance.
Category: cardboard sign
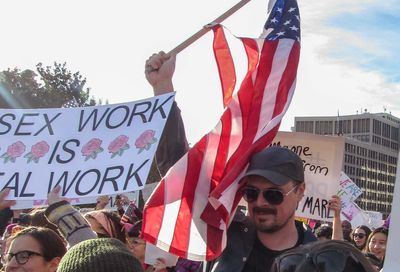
(89, 151)
(323, 158)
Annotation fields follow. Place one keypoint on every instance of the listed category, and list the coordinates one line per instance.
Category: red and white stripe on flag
(189, 212)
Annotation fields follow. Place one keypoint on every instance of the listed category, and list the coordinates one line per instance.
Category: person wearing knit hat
(99, 255)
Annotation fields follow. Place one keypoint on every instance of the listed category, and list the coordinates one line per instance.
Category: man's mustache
(264, 210)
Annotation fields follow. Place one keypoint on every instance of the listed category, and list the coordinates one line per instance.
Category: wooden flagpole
(207, 28)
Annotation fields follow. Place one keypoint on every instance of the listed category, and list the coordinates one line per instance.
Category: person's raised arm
(336, 205)
(159, 70)
(71, 222)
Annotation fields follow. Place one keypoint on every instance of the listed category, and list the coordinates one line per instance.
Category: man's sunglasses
(272, 196)
(359, 235)
(330, 260)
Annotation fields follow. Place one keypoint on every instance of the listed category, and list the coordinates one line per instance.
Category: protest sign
(375, 219)
(153, 253)
(89, 151)
(348, 190)
(392, 258)
(350, 210)
(323, 158)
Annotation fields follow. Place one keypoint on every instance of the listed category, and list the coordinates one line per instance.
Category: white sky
(109, 42)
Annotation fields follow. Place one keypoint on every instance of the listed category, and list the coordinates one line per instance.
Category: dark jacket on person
(173, 145)
(241, 238)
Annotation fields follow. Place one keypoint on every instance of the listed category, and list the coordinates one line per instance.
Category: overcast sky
(349, 60)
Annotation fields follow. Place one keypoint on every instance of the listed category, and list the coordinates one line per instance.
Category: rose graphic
(118, 145)
(13, 152)
(38, 150)
(145, 140)
(92, 148)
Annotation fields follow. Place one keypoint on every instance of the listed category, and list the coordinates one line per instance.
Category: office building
(371, 152)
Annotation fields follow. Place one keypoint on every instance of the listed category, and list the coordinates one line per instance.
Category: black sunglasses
(359, 235)
(331, 260)
(272, 196)
(22, 257)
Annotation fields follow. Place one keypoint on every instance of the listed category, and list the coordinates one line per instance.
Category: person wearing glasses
(274, 185)
(359, 236)
(34, 249)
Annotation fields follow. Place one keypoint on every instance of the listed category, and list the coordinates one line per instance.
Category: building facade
(371, 152)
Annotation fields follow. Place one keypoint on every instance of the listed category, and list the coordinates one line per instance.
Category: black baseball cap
(277, 164)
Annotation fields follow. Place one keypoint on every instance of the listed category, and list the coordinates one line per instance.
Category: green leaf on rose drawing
(113, 155)
(154, 140)
(12, 160)
(4, 155)
(125, 147)
(28, 155)
(94, 155)
(140, 150)
(100, 150)
(87, 158)
(36, 160)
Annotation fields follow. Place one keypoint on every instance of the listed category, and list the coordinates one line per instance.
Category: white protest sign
(152, 253)
(89, 151)
(392, 258)
(322, 157)
(375, 219)
(348, 190)
(350, 210)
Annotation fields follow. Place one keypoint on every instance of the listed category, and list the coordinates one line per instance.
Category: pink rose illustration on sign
(118, 145)
(92, 148)
(38, 150)
(13, 152)
(145, 140)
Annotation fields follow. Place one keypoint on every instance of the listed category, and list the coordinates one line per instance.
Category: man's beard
(271, 228)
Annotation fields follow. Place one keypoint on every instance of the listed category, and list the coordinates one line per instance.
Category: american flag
(189, 212)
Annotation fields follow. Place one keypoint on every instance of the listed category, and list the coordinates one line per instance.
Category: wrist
(163, 88)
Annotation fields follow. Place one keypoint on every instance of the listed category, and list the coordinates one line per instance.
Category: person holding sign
(159, 69)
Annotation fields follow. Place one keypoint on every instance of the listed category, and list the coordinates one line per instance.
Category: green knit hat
(99, 255)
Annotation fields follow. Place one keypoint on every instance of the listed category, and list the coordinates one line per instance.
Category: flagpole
(207, 28)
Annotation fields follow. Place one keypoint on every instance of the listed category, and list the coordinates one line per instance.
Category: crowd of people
(62, 238)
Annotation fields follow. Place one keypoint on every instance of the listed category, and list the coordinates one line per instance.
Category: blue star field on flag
(283, 21)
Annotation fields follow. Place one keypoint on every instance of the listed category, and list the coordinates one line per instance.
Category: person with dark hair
(347, 229)
(106, 224)
(329, 255)
(99, 255)
(324, 232)
(39, 219)
(359, 236)
(376, 243)
(34, 249)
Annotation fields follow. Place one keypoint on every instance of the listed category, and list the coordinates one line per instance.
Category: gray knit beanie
(99, 255)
